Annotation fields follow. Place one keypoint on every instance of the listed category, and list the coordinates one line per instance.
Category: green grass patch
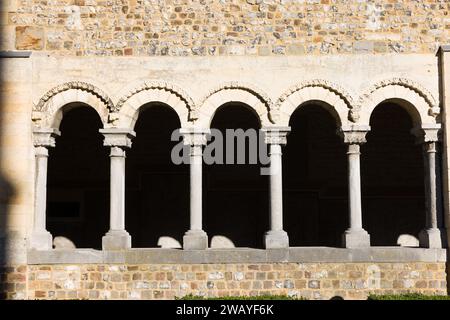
(408, 296)
(261, 297)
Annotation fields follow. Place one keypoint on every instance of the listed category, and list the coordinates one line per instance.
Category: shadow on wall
(7, 190)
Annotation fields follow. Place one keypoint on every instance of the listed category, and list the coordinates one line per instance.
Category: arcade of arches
(147, 201)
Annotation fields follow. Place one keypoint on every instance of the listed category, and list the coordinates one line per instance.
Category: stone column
(195, 238)
(117, 238)
(40, 238)
(276, 237)
(355, 236)
(428, 136)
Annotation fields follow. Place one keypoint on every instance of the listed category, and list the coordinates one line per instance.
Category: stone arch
(50, 108)
(128, 107)
(327, 94)
(418, 101)
(236, 92)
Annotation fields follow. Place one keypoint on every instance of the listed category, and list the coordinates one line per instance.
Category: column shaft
(195, 238)
(117, 238)
(430, 237)
(41, 189)
(196, 188)
(117, 189)
(276, 188)
(355, 236)
(40, 238)
(354, 187)
(431, 171)
(276, 237)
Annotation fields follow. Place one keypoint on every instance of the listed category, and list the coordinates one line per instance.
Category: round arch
(330, 100)
(131, 107)
(416, 100)
(412, 111)
(234, 93)
(233, 185)
(53, 104)
(392, 174)
(157, 189)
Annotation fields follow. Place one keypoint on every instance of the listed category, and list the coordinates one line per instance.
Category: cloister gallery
(348, 196)
(393, 136)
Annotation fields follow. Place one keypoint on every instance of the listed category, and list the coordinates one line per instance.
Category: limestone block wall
(231, 27)
(167, 281)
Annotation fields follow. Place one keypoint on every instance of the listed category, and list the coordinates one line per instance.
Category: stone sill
(237, 255)
(15, 54)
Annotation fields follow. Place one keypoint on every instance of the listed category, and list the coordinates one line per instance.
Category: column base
(41, 240)
(195, 240)
(356, 238)
(430, 238)
(116, 240)
(276, 239)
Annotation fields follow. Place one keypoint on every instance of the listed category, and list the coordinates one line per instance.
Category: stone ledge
(15, 54)
(237, 255)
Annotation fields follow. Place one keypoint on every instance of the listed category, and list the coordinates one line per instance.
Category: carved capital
(427, 133)
(195, 136)
(353, 134)
(45, 137)
(117, 137)
(276, 135)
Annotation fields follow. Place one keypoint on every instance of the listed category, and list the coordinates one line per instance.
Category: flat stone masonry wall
(229, 27)
(167, 281)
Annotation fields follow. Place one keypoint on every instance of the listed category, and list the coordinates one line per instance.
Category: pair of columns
(119, 140)
(427, 135)
(195, 237)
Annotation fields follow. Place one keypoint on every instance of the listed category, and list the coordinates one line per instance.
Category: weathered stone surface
(253, 27)
(29, 38)
(237, 255)
(235, 27)
(315, 281)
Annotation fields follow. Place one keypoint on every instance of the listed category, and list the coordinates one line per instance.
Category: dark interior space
(157, 191)
(78, 180)
(236, 195)
(314, 179)
(392, 177)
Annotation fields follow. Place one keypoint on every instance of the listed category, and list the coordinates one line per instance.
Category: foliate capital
(353, 134)
(117, 137)
(427, 133)
(45, 137)
(195, 136)
(276, 135)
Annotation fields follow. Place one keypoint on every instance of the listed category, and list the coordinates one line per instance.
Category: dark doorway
(315, 179)
(157, 191)
(78, 180)
(392, 177)
(236, 198)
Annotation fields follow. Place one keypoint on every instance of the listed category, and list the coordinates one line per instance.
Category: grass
(408, 296)
(261, 297)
